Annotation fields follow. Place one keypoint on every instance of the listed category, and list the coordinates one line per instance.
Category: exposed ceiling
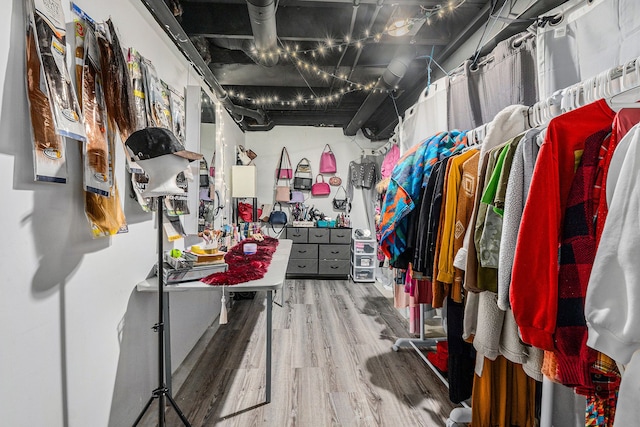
(326, 63)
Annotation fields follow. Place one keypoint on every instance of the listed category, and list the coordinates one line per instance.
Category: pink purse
(320, 188)
(327, 161)
(284, 170)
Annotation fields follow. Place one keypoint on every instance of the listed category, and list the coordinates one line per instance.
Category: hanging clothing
(503, 396)
(535, 307)
(625, 120)
(464, 210)
(516, 195)
(614, 278)
(454, 179)
(508, 124)
(439, 289)
(422, 262)
(406, 183)
(577, 252)
(462, 355)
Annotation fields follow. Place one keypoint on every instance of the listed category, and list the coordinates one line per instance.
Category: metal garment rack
(421, 343)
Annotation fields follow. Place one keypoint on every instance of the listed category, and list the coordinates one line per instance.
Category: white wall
(77, 346)
(305, 141)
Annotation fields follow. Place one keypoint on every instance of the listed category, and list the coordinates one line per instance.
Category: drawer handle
(302, 266)
(335, 267)
(318, 235)
(297, 235)
(302, 252)
(340, 235)
(335, 252)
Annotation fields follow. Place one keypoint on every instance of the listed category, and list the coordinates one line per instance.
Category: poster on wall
(49, 156)
(50, 30)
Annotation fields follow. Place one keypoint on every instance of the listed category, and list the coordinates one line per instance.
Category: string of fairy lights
(305, 60)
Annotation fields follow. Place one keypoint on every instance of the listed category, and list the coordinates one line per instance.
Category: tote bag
(327, 161)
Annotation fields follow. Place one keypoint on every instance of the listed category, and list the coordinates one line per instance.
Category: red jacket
(534, 282)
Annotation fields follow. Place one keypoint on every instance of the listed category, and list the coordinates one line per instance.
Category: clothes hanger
(629, 96)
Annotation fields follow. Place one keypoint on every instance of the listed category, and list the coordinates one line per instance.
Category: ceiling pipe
(168, 22)
(392, 75)
(262, 14)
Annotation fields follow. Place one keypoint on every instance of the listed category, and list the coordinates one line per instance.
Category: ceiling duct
(168, 22)
(395, 71)
(262, 14)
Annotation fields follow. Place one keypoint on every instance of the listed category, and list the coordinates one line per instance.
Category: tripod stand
(161, 392)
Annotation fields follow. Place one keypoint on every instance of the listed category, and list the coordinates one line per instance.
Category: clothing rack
(605, 85)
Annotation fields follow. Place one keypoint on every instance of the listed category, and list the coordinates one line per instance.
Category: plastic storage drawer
(363, 274)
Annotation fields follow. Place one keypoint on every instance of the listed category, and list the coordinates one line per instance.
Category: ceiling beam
(386, 40)
(425, 3)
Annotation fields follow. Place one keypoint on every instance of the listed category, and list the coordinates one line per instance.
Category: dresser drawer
(340, 235)
(304, 251)
(318, 235)
(333, 252)
(302, 266)
(333, 267)
(297, 235)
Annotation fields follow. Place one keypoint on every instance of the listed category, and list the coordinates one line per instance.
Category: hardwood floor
(332, 365)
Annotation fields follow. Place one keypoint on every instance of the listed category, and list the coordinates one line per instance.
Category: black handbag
(340, 204)
(278, 217)
(300, 182)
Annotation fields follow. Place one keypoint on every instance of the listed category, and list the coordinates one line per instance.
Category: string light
(304, 59)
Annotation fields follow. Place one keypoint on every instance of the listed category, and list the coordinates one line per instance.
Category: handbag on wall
(283, 193)
(297, 197)
(284, 170)
(327, 161)
(300, 182)
(340, 204)
(335, 181)
(278, 217)
(320, 188)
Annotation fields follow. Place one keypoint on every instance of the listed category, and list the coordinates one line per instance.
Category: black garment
(426, 199)
(462, 355)
(428, 231)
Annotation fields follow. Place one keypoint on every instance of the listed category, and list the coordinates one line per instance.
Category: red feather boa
(244, 268)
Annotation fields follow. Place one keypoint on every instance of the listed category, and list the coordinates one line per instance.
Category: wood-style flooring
(332, 365)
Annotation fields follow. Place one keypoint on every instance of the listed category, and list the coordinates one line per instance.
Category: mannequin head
(162, 157)
(162, 172)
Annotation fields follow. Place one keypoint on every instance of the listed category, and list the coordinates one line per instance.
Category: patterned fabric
(601, 412)
(577, 253)
(407, 180)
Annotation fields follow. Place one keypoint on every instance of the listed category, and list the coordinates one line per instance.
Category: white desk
(272, 280)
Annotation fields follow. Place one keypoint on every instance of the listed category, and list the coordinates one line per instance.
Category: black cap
(154, 142)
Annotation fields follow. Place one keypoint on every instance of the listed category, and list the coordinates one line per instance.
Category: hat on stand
(154, 142)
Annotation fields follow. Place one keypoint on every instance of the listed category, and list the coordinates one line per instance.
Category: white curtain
(427, 117)
(590, 38)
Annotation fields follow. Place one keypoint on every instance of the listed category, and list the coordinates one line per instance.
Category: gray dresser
(319, 252)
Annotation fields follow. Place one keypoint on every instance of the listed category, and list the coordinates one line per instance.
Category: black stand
(162, 391)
